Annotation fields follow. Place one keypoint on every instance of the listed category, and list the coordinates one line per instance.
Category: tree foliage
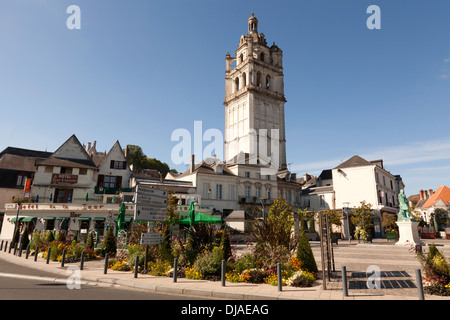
(139, 160)
(274, 236)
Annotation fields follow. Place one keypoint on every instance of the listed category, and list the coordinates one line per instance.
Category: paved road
(23, 283)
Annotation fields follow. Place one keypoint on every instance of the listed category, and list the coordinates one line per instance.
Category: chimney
(425, 194)
(89, 145)
(431, 192)
(422, 194)
(192, 163)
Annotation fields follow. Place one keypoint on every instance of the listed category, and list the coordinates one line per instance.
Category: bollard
(36, 253)
(48, 255)
(344, 281)
(15, 249)
(223, 273)
(175, 269)
(63, 257)
(1, 246)
(82, 260)
(28, 252)
(106, 264)
(10, 247)
(20, 251)
(280, 283)
(136, 266)
(419, 284)
(6, 245)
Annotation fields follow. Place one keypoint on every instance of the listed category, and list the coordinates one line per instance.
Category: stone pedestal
(408, 233)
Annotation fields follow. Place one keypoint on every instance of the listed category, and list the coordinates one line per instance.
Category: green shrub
(24, 240)
(109, 245)
(305, 255)
(245, 262)
(49, 237)
(209, 262)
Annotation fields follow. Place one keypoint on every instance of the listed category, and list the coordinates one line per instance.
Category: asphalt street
(23, 283)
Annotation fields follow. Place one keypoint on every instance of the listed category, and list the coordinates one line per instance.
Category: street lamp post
(345, 210)
(262, 204)
(17, 219)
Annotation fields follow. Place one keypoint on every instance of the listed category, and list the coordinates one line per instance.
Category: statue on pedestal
(404, 214)
(407, 226)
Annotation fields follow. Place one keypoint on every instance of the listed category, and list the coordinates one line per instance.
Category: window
(120, 165)
(247, 192)
(269, 194)
(244, 80)
(206, 191)
(83, 172)
(258, 79)
(110, 182)
(247, 174)
(48, 169)
(267, 82)
(268, 177)
(232, 190)
(322, 201)
(261, 56)
(21, 178)
(236, 84)
(219, 192)
(258, 192)
(66, 170)
(392, 186)
(258, 175)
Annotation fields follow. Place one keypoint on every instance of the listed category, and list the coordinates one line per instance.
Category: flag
(192, 213)
(121, 218)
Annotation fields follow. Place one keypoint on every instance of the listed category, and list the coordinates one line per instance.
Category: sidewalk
(355, 256)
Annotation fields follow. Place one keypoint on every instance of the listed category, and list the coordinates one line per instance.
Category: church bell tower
(254, 99)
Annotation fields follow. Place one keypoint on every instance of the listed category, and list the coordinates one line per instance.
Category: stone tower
(254, 100)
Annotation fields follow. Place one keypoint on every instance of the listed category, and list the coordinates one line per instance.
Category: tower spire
(252, 24)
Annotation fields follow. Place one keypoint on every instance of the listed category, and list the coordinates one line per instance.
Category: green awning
(28, 219)
(14, 219)
(127, 219)
(49, 218)
(201, 218)
(99, 219)
(84, 219)
(62, 218)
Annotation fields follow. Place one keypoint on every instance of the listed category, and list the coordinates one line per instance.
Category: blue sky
(138, 70)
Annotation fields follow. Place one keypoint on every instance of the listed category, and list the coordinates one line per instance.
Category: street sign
(151, 238)
(151, 204)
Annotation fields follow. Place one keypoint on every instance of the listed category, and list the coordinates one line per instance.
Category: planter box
(391, 236)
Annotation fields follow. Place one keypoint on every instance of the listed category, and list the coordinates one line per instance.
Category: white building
(71, 191)
(352, 182)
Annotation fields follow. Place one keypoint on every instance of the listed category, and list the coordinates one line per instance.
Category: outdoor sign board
(151, 238)
(151, 204)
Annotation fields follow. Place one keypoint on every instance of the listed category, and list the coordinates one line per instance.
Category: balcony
(106, 190)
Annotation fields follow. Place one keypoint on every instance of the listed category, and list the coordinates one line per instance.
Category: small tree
(25, 241)
(165, 248)
(363, 217)
(90, 241)
(305, 254)
(275, 235)
(109, 245)
(225, 245)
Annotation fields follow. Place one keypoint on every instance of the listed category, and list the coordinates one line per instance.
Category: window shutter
(111, 164)
(124, 165)
(100, 180)
(119, 182)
